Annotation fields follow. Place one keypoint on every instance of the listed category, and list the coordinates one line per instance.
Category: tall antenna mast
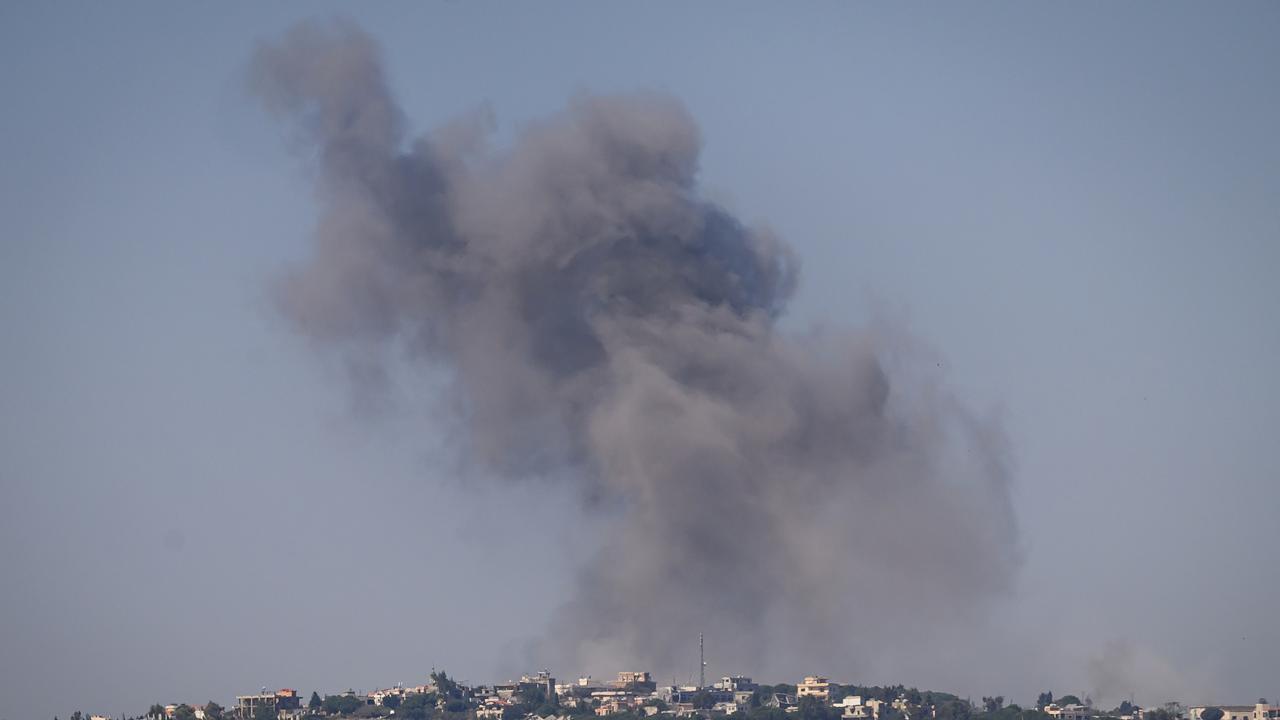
(702, 665)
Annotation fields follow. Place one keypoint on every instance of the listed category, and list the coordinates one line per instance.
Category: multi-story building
(283, 700)
(736, 683)
(540, 681)
(814, 686)
(637, 677)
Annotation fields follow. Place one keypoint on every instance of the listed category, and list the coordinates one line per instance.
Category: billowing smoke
(799, 498)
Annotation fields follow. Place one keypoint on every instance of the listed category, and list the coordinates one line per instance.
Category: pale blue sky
(1077, 207)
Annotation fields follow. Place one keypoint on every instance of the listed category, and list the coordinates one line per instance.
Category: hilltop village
(634, 695)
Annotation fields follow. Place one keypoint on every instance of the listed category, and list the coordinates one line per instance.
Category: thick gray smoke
(797, 498)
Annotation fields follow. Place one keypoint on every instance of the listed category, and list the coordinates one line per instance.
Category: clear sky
(1075, 206)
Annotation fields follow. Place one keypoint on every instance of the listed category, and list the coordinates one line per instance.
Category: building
(736, 683)
(814, 686)
(542, 681)
(852, 708)
(491, 709)
(1069, 712)
(639, 677)
(379, 697)
(636, 681)
(282, 700)
(1257, 711)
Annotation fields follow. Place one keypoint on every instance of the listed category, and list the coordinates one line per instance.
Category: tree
(340, 704)
(214, 711)
(1212, 713)
(702, 700)
(953, 710)
(993, 704)
(265, 711)
(391, 701)
(314, 703)
(811, 708)
(1046, 698)
(445, 686)
(416, 706)
(1069, 700)
(184, 712)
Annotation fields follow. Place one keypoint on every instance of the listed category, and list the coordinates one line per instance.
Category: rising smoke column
(796, 497)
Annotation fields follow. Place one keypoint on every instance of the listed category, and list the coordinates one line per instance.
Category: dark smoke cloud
(796, 497)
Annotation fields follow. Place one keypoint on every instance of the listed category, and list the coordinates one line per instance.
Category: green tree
(391, 701)
(1069, 700)
(184, 712)
(445, 686)
(811, 708)
(344, 704)
(992, 704)
(214, 711)
(315, 702)
(1045, 698)
(768, 713)
(1212, 713)
(416, 706)
(953, 710)
(265, 711)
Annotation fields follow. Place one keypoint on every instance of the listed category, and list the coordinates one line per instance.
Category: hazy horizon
(1036, 247)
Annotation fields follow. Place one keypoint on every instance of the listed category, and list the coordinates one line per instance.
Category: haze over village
(635, 695)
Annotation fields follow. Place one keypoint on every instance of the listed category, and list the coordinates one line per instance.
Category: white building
(1070, 712)
(1257, 711)
(814, 686)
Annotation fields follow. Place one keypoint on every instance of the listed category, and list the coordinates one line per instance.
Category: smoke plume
(798, 497)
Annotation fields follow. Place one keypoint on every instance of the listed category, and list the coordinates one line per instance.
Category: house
(492, 709)
(814, 686)
(283, 700)
(379, 697)
(1257, 711)
(634, 680)
(1071, 711)
(852, 708)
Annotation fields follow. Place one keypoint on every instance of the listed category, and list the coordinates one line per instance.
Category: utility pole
(702, 665)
